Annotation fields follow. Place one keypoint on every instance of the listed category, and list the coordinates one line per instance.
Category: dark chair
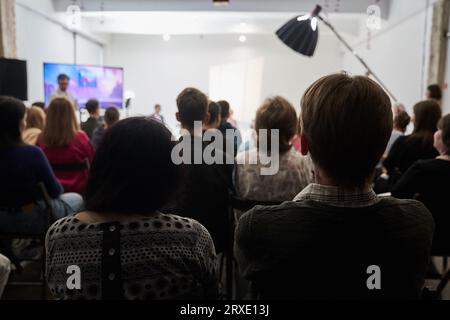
(242, 205)
(41, 196)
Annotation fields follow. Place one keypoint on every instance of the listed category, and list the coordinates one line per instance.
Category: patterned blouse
(294, 174)
(160, 257)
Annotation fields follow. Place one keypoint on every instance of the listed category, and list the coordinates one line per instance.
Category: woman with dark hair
(23, 167)
(428, 181)
(126, 248)
(215, 118)
(419, 145)
(67, 147)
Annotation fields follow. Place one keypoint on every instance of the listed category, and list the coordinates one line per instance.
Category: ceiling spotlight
(242, 38)
(166, 37)
(221, 3)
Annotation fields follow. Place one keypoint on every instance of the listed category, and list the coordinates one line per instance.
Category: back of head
(444, 126)
(347, 122)
(12, 111)
(214, 112)
(426, 116)
(133, 151)
(277, 113)
(61, 124)
(401, 121)
(36, 118)
(92, 106)
(192, 106)
(225, 109)
(112, 115)
(39, 104)
(434, 92)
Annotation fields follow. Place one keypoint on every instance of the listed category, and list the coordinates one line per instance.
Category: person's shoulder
(59, 226)
(186, 224)
(30, 150)
(406, 209)
(265, 213)
(81, 135)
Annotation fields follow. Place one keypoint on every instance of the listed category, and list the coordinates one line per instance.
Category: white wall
(446, 101)
(156, 71)
(39, 41)
(397, 50)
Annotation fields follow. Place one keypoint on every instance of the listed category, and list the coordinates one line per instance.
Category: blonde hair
(61, 125)
(35, 118)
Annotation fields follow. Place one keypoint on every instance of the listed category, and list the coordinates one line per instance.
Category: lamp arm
(361, 60)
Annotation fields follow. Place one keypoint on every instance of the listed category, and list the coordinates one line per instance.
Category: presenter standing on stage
(63, 85)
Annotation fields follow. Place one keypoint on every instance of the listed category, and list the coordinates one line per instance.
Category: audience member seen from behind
(24, 166)
(295, 171)
(401, 122)
(39, 105)
(346, 123)
(225, 126)
(434, 92)
(203, 194)
(35, 124)
(419, 145)
(215, 118)
(428, 181)
(112, 115)
(149, 255)
(93, 122)
(66, 147)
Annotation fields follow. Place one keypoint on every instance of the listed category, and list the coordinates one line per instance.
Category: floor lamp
(302, 33)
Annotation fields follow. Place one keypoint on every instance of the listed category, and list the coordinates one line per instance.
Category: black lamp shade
(300, 36)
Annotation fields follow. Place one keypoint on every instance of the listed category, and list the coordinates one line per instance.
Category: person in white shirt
(5, 269)
(61, 92)
(157, 114)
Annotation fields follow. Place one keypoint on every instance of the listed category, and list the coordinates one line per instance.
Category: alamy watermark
(221, 149)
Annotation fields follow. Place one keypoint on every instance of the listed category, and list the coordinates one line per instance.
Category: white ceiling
(202, 17)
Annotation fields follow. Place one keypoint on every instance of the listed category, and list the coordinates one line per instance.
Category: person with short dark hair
(157, 114)
(428, 181)
(419, 145)
(434, 92)
(112, 115)
(62, 91)
(125, 247)
(204, 190)
(215, 117)
(380, 247)
(226, 125)
(23, 167)
(401, 122)
(93, 122)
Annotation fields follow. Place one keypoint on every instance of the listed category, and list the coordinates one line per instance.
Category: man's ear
(304, 144)
(177, 115)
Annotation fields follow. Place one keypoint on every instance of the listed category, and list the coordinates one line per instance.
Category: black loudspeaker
(13, 78)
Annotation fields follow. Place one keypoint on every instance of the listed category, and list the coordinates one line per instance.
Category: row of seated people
(336, 226)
